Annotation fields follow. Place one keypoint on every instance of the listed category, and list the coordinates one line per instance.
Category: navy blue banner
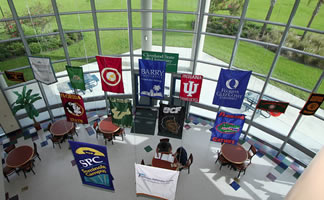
(231, 87)
(227, 128)
(92, 161)
(152, 76)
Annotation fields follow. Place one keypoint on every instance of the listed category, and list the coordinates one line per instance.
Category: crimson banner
(313, 103)
(74, 108)
(190, 87)
(111, 74)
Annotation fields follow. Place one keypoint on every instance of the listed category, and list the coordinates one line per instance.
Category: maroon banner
(111, 74)
(74, 108)
(15, 76)
(190, 87)
(272, 106)
(313, 103)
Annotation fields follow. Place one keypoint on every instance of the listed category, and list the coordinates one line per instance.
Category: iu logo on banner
(190, 87)
(111, 74)
(74, 108)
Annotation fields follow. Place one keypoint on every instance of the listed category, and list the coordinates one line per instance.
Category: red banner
(111, 74)
(190, 87)
(313, 103)
(74, 108)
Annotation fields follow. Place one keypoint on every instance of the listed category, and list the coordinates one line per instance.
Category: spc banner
(93, 165)
(190, 87)
(171, 59)
(171, 120)
(156, 182)
(152, 77)
(121, 110)
(227, 128)
(272, 106)
(15, 76)
(111, 74)
(313, 103)
(231, 88)
(76, 77)
(42, 69)
(74, 108)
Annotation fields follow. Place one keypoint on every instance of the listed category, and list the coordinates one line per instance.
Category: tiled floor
(56, 178)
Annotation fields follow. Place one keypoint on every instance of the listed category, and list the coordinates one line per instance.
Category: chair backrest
(49, 126)
(164, 140)
(252, 151)
(10, 148)
(28, 166)
(189, 161)
(95, 125)
(142, 162)
(35, 147)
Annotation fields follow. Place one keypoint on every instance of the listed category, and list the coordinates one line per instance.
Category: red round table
(234, 153)
(61, 127)
(106, 126)
(19, 156)
(165, 164)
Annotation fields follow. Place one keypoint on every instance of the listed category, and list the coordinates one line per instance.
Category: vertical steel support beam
(95, 24)
(28, 52)
(165, 8)
(274, 62)
(131, 53)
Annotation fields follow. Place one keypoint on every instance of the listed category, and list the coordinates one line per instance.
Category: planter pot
(37, 126)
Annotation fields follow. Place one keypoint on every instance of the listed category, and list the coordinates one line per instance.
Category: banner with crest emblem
(93, 165)
(76, 77)
(171, 120)
(111, 74)
(74, 108)
(227, 128)
(190, 87)
(42, 69)
(121, 110)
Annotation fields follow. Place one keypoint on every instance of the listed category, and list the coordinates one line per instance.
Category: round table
(61, 127)
(106, 126)
(19, 156)
(234, 153)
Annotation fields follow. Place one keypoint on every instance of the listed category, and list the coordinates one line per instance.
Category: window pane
(190, 5)
(179, 43)
(40, 25)
(265, 137)
(114, 42)
(113, 20)
(180, 21)
(77, 22)
(32, 7)
(81, 44)
(297, 154)
(157, 19)
(73, 5)
(108, 5)
(304, 14)
(156, 5)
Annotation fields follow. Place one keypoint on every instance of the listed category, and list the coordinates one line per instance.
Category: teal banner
(171, 59)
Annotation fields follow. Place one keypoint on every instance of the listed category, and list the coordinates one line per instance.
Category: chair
(27, 168)
(164, 140)
(188, 164)
(57, 140)
(108, 137)
(49, 126)
(222, 160)
(251, 152)
(120, 132)
(10, 148)
(96, 128)
(35, 154)
(8, 171)
(142, 162)
(241, 167)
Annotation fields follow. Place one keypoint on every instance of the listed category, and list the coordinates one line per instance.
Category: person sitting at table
(181, 156)
(164, 147)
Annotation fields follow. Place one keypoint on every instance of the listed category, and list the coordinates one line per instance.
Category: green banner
(76, 77)
(121, 110)
(170, 58)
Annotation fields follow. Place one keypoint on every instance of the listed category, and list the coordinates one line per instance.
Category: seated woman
(164, 147)
(181, 155)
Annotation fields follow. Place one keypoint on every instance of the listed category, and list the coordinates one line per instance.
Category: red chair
(120, 132)
(10, 148)
(222, 160)
(8, 171)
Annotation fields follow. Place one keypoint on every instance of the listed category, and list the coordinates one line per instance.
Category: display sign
(313, 103)
(74, 108)
(156, 182)
(227, 128)
(42, 69)
(15, 76)
(152, 77)
(121, 110)
(76, 77)
(190, 87)
(272, 106)
(231, 87)
(93, 165)
(111, 74)
(171, 59)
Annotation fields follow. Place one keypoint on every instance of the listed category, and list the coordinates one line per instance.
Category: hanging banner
(171, 120)
(152, 77)
(171, 59)
(121, 110)
(15, 76)
(74, 108)
(111, 74)
(190, 87)
(313, 103)
(272, 106)
(76, 77)
(231, 88)
(42, 69)
(156, 182)
(227, 128)
(93, 165)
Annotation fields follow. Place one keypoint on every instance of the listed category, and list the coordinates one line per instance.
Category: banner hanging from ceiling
(93, 165)
(231, 87)
(15, 76)
(190, 87)
(156, 182)
(74, 108)
(42, 69)
(171, 59)
(111, 74)
(121, 110)
(227, 128)
(76, 77)
(171, 120)
(313, 103)
(152, 77)
(272, 106)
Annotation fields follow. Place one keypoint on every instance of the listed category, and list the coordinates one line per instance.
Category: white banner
(42, 69)
(156, 182)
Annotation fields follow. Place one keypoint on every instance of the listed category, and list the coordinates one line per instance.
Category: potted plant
(25, 101)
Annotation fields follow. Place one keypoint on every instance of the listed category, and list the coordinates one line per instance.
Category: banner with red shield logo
(74, 108)
(111, 74)
(190, 87)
